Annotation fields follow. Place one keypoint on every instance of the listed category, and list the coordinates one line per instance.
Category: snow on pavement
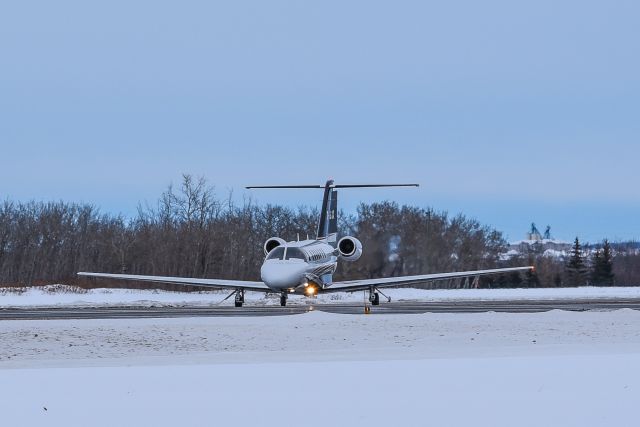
(318, 336)
(594, 390)
(318, 369)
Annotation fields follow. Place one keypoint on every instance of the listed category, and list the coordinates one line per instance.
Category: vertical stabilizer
(323, 224)
(332, 235)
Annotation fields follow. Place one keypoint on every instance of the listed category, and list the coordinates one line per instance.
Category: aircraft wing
(212, 283)
(364, 284)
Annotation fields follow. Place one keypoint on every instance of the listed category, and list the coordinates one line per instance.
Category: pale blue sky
(512, 112)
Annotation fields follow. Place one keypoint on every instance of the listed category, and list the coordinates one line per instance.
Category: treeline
(190, 232)
(600, 264)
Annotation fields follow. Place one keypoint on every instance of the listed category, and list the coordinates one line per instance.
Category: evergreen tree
(501, 281)
(515, 280)
(575, 270)
(602, 271)
(531, 279)
(557, 280)
(596, 267)
(607, 260)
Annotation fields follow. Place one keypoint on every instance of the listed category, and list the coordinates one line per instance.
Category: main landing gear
(374, 296)
(239, 297)
(283, 299)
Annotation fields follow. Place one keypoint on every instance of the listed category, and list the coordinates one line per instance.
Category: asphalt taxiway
(401, 307)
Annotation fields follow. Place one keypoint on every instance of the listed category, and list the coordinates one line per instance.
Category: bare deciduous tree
(191, 233)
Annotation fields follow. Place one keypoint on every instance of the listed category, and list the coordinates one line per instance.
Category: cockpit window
(295, 253)
(276, 253)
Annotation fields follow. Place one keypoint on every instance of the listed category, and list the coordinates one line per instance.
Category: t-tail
(328, 222)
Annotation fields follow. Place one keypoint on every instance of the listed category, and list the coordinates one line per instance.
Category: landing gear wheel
(375, 300)
(239, 297)
(283, 300)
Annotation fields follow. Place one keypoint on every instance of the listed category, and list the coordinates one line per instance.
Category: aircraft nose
(282, 274)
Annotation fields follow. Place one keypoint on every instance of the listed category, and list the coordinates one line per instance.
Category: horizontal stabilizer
(373, 185)
(334, 186)
(328, 222)
(284, 186)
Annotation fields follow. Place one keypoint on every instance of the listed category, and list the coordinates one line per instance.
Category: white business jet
(306, 267)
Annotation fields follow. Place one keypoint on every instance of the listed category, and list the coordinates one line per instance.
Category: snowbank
(60, 295)
(319, 369)
(314, 336)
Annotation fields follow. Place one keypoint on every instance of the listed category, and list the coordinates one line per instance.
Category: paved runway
(405, 307)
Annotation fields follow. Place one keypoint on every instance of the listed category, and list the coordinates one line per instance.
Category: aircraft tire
(376, 299)
(283, 300)
(238, 303)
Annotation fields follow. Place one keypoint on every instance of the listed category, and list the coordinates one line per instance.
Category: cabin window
(276, 253)
(295, 253)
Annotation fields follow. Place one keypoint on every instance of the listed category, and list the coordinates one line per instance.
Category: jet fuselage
(300, 267)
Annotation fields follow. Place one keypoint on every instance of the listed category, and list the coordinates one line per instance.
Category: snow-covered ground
(60, 295)
(319, 369)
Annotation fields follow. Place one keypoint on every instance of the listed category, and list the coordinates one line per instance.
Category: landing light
(310, 290)
(306, 285)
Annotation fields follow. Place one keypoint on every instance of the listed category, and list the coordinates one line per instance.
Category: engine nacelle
(272, 243)
(350, 248)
